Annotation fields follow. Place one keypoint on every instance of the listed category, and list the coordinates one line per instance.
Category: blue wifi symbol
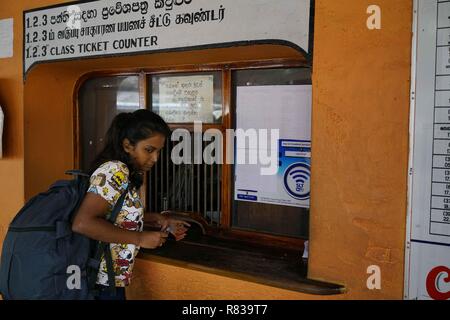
(300, 177)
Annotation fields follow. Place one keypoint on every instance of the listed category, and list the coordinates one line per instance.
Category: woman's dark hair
(139, 125)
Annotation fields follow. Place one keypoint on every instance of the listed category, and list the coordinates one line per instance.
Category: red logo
(122, 262)
(129, 225)
(433, 278)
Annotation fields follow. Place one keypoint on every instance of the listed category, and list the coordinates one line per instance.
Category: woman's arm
(90, 220)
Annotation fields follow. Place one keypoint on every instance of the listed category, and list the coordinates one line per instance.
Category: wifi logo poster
(294, 172)
(289, 187)
(286, 108)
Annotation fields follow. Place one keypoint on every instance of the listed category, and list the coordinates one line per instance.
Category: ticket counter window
(193, 185)
(279, 99)
(212, 191)
(254, 224)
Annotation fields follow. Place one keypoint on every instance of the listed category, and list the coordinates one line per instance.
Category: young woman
(133, 144)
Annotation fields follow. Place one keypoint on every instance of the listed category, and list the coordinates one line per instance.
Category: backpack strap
(118, 207)
(104, 248)
(77, 173)
(110, 270)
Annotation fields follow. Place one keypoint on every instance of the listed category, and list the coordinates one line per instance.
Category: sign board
(6, 38)
(286, 108)
(186, 98)
(428, 228)
(107, 28)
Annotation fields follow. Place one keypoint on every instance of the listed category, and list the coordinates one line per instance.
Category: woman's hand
(152, 239)
(177, 228)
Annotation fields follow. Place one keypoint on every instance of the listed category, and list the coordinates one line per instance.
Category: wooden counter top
(282, 268)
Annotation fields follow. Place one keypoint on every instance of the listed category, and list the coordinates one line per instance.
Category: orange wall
(360, 146)
(11, 100)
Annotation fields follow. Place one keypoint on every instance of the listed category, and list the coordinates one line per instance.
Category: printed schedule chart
(440, 192)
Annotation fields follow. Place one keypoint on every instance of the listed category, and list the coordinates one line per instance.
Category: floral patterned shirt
(109, 181)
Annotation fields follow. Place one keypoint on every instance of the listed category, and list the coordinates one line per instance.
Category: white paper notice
(286, 108)
(186, 99)
(6, 38)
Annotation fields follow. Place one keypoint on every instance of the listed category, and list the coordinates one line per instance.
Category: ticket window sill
(277, 267)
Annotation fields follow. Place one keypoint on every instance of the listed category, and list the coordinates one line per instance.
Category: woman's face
(145, 153)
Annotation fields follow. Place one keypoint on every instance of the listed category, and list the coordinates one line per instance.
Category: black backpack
(42, 258)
